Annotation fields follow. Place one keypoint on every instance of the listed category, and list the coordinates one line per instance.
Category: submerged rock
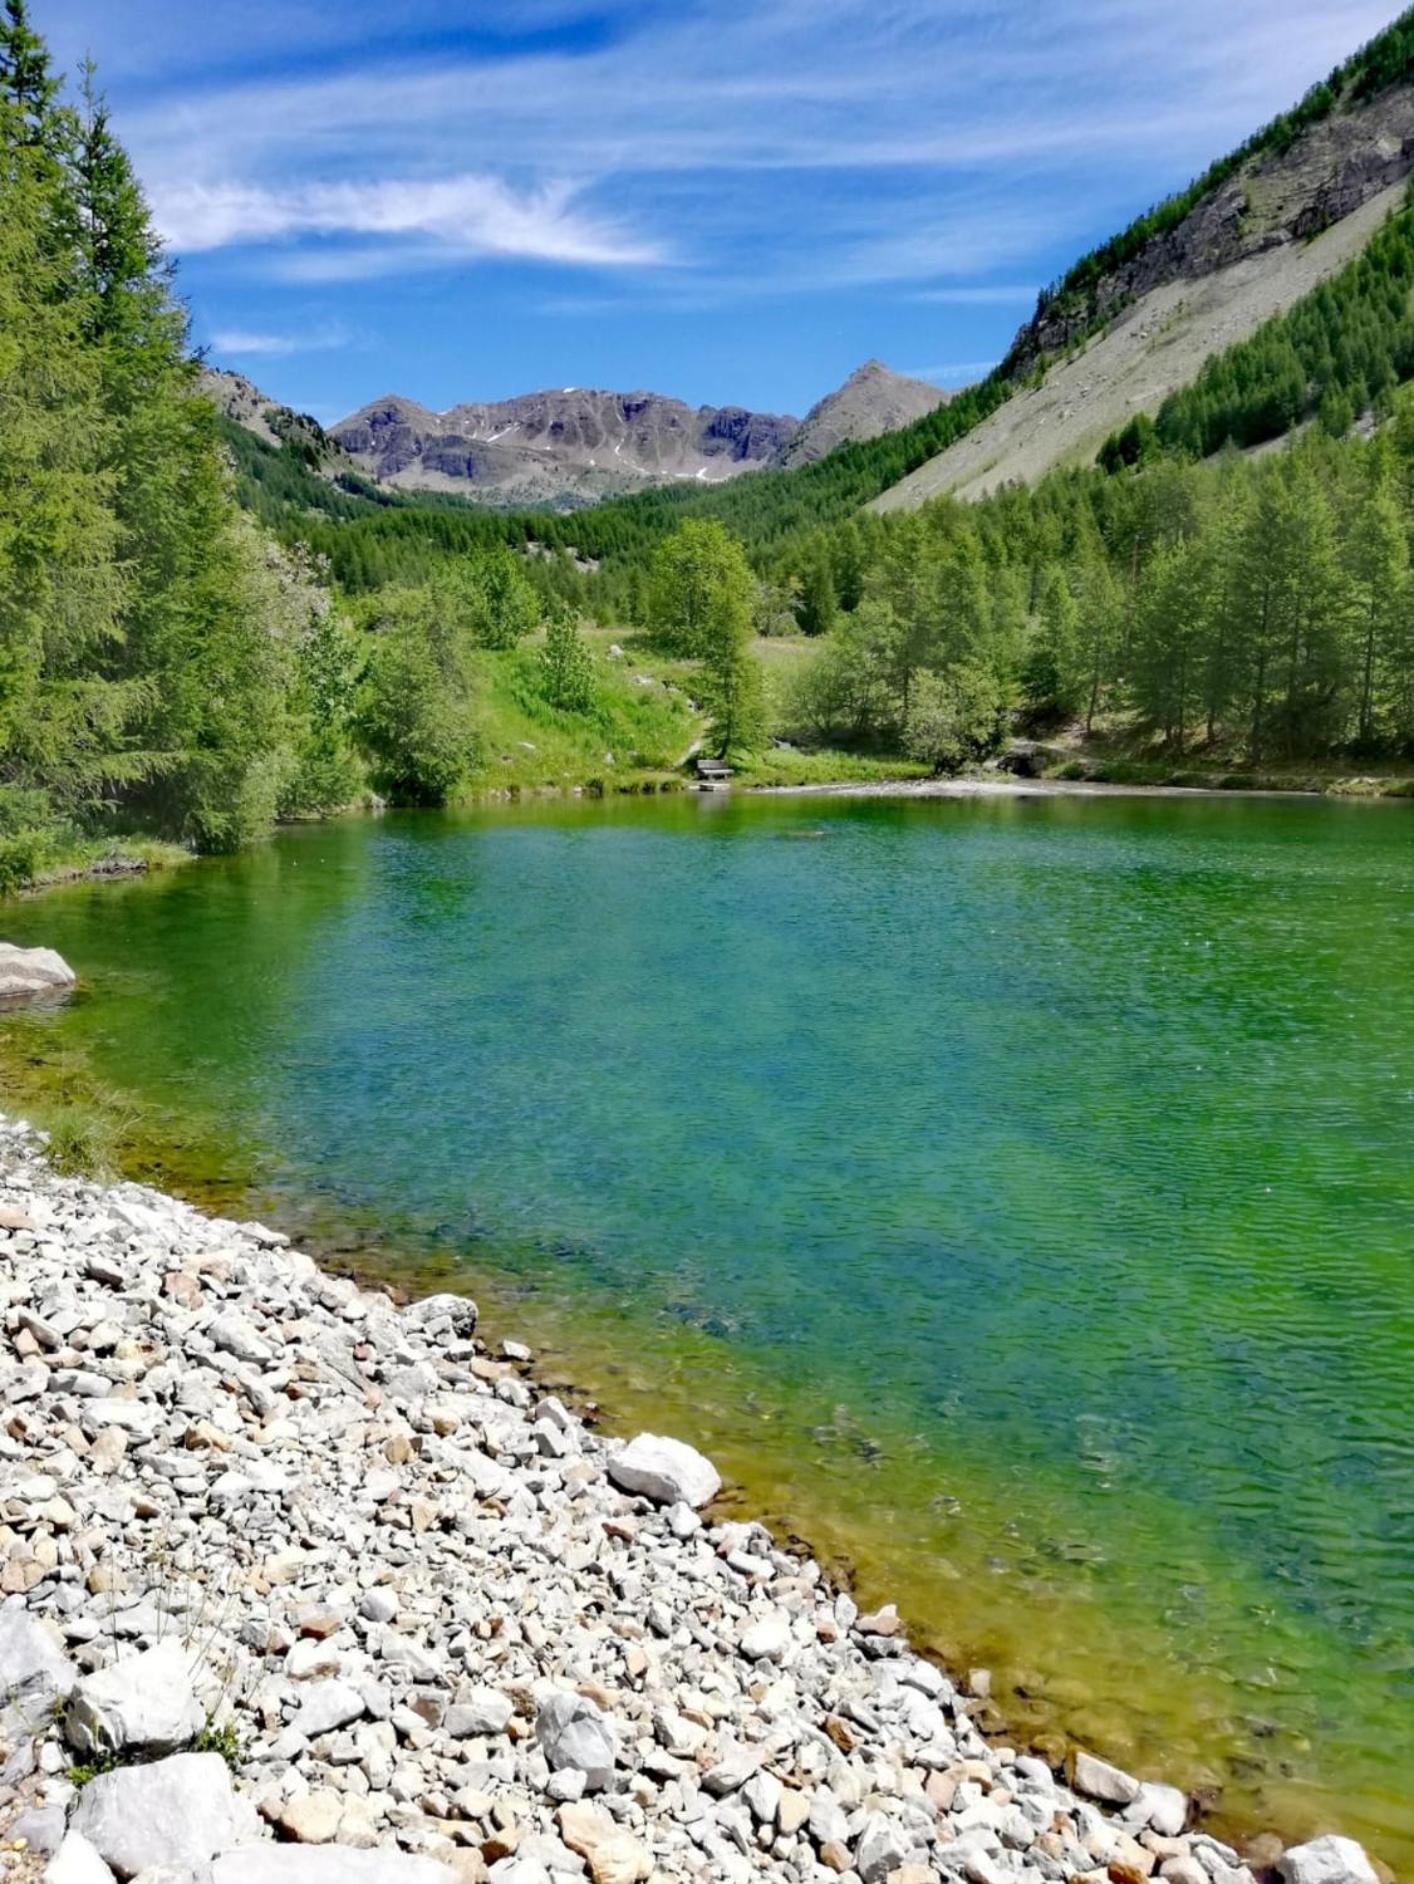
(1097, 1779)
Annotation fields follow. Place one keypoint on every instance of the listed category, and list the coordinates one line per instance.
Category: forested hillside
(202, 633)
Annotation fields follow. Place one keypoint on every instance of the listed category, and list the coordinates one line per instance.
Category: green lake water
(1015, 1195)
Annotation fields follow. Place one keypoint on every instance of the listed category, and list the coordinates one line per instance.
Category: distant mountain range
(575, 445)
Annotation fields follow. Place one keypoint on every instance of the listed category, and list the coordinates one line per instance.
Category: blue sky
(728, 200)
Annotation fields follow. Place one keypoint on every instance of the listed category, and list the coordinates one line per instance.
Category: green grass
(791, 765)
(639, 732)
(39, 858)
(88, 1124)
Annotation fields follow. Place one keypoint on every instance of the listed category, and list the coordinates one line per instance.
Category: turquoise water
(1015, 1194)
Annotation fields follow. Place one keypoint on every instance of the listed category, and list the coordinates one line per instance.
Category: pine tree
(566, 663)
(1377, 557)
(819, 605)
(28, 86)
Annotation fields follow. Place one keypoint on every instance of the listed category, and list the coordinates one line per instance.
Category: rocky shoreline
(298, 1587)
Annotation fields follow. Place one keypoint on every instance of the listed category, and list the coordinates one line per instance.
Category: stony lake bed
(1080, 1195)
(261, 1523)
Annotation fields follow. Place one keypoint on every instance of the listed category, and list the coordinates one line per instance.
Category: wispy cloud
(960, 373)
(470, 214)
(666, 124)
(255, 344)
(992, 294)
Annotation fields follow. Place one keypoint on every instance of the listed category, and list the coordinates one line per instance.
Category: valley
(875, 946)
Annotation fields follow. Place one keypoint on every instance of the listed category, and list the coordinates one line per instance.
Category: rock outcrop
(1325, 174)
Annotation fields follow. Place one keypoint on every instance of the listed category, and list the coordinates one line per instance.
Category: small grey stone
(34, 1671)
(881, 1849)
(325, 1706)
(477, 1711)
(41, 1827)
(1097, 1779)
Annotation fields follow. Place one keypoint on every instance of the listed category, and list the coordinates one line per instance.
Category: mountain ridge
(873, 400)
(1268, 233)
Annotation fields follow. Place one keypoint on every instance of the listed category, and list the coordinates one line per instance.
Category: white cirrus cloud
(257, 342)
(470, 214)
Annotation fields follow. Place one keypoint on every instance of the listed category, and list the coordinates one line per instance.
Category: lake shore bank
(419, 1610)
(120, 862)
(966, 786)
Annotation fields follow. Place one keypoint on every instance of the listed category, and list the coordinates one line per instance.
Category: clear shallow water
(1015, 1195)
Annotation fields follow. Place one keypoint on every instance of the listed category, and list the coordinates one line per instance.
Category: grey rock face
(1289, 195)
(573, 1733)
(570, 441)
(180, 1810)
(871, 401)
(32, 975)
(142, 1704)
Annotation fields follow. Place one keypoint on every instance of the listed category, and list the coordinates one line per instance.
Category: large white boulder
(140, 1704)
(180, 1810)
(665, 1470)
(32, 974)
(1327, 1860)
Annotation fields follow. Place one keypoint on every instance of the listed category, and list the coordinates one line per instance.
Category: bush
(954, 717)
(22, 857)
